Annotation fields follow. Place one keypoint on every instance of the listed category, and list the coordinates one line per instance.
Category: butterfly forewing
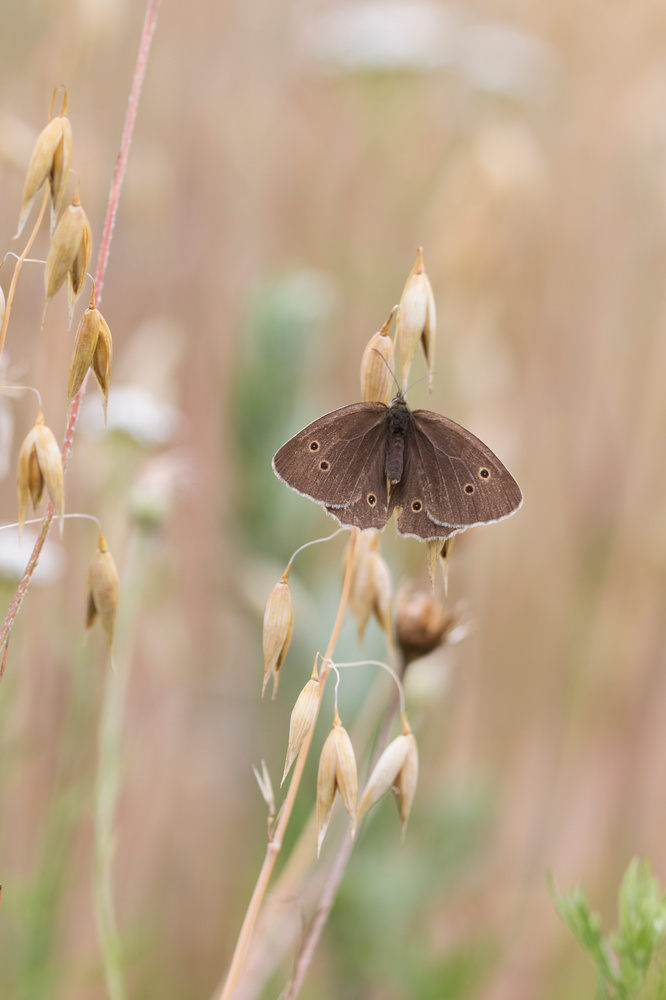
(338, 461)
(451, 479)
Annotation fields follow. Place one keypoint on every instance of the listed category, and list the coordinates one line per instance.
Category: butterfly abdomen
(398, 421)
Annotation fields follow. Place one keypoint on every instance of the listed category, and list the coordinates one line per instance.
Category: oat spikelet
(302, 719)
(337, 773)
(103, 589)
(40, 465)
(397, 768)
(377, 366)
(371, 586)
(278, 621)
(416, 320)
(50, 161)
(93, 346)
(69, 254)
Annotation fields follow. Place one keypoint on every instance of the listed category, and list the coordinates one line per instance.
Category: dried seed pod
(39, 465)
(377, 366)
(103, 591)
(102, 359)
(337, 772)
(371, 587)
(422, 624)
(382, 594)
(302, 719)
(360, 588)
(84, 348)
(416, 320)
(69, 254)
(397, 768)
(93, 346)
(50, 161)
(278, 621)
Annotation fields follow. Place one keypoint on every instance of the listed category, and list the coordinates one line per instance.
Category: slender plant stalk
(112, 208)
(333, 880)
(17, 271)
(109, 777)
(274, 845)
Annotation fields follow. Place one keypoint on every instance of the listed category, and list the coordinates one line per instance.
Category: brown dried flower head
(302, 719)
(337, 773)
(422, 624)
(69, 254)
(278, 621)
(377, 366)
(397, 768)
(416, 322)
(93, 346)
(50, 161)
(40, 465)
(103, 591)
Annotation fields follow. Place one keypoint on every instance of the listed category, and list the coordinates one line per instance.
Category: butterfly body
(364, 461)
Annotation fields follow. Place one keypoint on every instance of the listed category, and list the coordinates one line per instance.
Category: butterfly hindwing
(338, 461)
(451, 480)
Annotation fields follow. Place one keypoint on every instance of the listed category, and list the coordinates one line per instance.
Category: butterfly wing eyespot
(417, 506)
(469, 488)
(484, 473)
(372, 499)
(314, 445)
(324, 465)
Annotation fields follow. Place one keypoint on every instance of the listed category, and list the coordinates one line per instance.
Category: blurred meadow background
(288, 159)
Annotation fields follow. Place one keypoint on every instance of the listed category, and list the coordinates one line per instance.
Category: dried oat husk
(377, 366)
(397, 768)
(278, 622)
(102, 360)
(93, 346)
(302, 719)
(69, 254)
(439, 550)
(50, 160)
(103, 591)
(40, 465)
(371, 586)
(337, 773)
(416, 322)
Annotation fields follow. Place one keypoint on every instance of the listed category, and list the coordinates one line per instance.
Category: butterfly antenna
(400, 392)
(427, 375)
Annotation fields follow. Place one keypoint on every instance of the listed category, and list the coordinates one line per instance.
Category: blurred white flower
(135, 412)
(13, 557)
(393, 35)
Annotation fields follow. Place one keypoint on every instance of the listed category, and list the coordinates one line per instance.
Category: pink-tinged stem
(102, 260)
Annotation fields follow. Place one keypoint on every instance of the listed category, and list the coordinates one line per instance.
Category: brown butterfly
(364, 461)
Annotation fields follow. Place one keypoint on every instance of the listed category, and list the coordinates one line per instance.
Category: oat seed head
(50, 160)
(302, 719)
(416, 323)
(377, 366)
(278, 622)
(103, 588)
(69, 254)
(39, 466)
(337, 773)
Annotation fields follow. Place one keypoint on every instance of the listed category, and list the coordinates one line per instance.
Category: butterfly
(362, 462)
